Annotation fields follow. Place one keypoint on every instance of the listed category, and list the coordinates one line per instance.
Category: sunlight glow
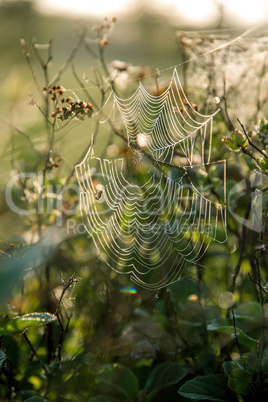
(191, 11)
(204, 11)
(87, 7)
(248, 11)
(194, 11)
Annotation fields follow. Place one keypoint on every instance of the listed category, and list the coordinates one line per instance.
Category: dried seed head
(104, 43)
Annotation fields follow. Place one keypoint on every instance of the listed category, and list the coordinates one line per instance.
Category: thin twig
(88, 48)
(27, 56)
(257, 283)
(242, 246)
(235, 333)
(58, 313)
(260, 83)
(83, 87)
(66, 64)
(7, 245)
(225, 109)
(35, 354)
(250, 142)
(175, 325)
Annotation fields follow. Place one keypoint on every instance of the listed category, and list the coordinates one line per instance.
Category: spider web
(149, 225)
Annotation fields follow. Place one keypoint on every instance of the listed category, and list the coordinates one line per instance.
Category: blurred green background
(97, 328)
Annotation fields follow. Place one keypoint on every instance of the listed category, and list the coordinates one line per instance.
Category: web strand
(149, 226)
(187, 61)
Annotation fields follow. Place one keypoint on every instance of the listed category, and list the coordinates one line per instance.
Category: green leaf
(263, 128)
(262, 164)
(116, 380)
(230, 144)
(228, 367)
(250, 363)
(238, 382)
(106, 398)
(209, 388)
(239, 139)
(218, 326)
(265, 359)
(251, 311)
(25, 395)
(18, 324)
(35, 399)
(164, 375)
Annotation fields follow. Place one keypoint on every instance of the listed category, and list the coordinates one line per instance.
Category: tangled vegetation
(71, 328)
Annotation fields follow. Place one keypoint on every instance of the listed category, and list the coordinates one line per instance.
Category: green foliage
(238, 382)
(163, 376)
(209, 388)
(70, 327)
(2, 358)
(118, 381)
(262, 164)
(236, 142)
(17, 324)
(220, 326)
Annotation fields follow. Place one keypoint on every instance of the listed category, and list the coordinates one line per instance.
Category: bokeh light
(226, 300)
(112, 150)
